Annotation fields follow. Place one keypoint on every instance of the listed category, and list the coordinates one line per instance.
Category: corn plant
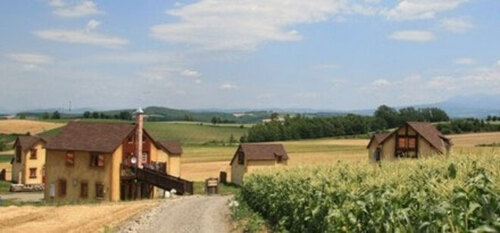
(459, 193)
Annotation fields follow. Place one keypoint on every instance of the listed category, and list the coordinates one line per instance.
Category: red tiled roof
(262, 151)
(84, 136)
(172, 147)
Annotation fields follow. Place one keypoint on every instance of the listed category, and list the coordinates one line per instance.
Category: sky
(317, 54)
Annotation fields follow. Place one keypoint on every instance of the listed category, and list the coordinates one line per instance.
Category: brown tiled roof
(430, 133)
(85, 136)
(378, 138)
(27, 141)
(262, 151)
(172, 147)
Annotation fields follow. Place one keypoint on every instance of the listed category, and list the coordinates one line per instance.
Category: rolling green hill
(188, 133)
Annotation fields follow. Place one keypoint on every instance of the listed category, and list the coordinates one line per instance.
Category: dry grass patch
(473, 139)
(16, 126)
(71, 218)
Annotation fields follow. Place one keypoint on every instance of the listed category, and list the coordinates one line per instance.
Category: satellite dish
(133, 160)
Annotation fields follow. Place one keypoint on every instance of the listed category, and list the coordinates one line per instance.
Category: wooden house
(29, 159)
(252, 156)
(110, 161)
(412, 140)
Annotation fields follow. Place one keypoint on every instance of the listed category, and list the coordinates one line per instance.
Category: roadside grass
(224, 189)
(4, 186)
(245, 219)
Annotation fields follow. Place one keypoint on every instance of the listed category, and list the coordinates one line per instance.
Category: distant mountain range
(461, 106)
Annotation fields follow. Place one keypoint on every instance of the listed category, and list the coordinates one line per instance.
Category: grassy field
(196, 134)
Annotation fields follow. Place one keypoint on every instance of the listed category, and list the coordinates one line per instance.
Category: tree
(125, 115)
(274, 116)
(102, 116)
(214, 120)
(45, 115)
(95, 115)
(389, 115)
(56, 115)
(188, 117)
(86, 114)
(232, 139)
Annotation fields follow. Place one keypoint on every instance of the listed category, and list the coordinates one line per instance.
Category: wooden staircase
(163, 180)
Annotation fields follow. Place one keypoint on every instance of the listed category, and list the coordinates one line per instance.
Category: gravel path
(203, 214)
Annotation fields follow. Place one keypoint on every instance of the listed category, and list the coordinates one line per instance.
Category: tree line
(467, 125)
(123, 115)
(302, 127)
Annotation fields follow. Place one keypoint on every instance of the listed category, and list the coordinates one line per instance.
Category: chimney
(138, 136)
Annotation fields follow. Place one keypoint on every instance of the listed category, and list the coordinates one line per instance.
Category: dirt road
(203, 214)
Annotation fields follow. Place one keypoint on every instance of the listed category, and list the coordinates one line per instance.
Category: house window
(62, 187)
(241, 158)
(99, 190)
(407, 142)
(70, 158)
(96, 160)
(18, 154)
(32, 173)
(84, 190)
(33, 153)
(411, 143)
(130, 140)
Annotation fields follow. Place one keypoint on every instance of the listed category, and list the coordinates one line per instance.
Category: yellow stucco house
(412, 140)
(28, 162)
(252, 156)
(99, 161)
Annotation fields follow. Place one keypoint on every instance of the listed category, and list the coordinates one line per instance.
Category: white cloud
(30, 58)
(81, 37)
(56, 3)
(227, 86)
(442, 82)
(92, 24)
(190, 73)
(242, 25)
(456, 25)
(381, 83)
(464, 61)
(85, 8)
(412, 35)
(420, 9)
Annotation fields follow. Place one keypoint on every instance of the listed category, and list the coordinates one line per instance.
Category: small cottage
(412, 140)
(28, 162)
(252, 156)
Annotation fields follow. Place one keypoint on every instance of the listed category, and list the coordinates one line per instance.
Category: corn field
(460, 193)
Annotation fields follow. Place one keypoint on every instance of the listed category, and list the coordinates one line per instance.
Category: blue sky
(324, 54)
